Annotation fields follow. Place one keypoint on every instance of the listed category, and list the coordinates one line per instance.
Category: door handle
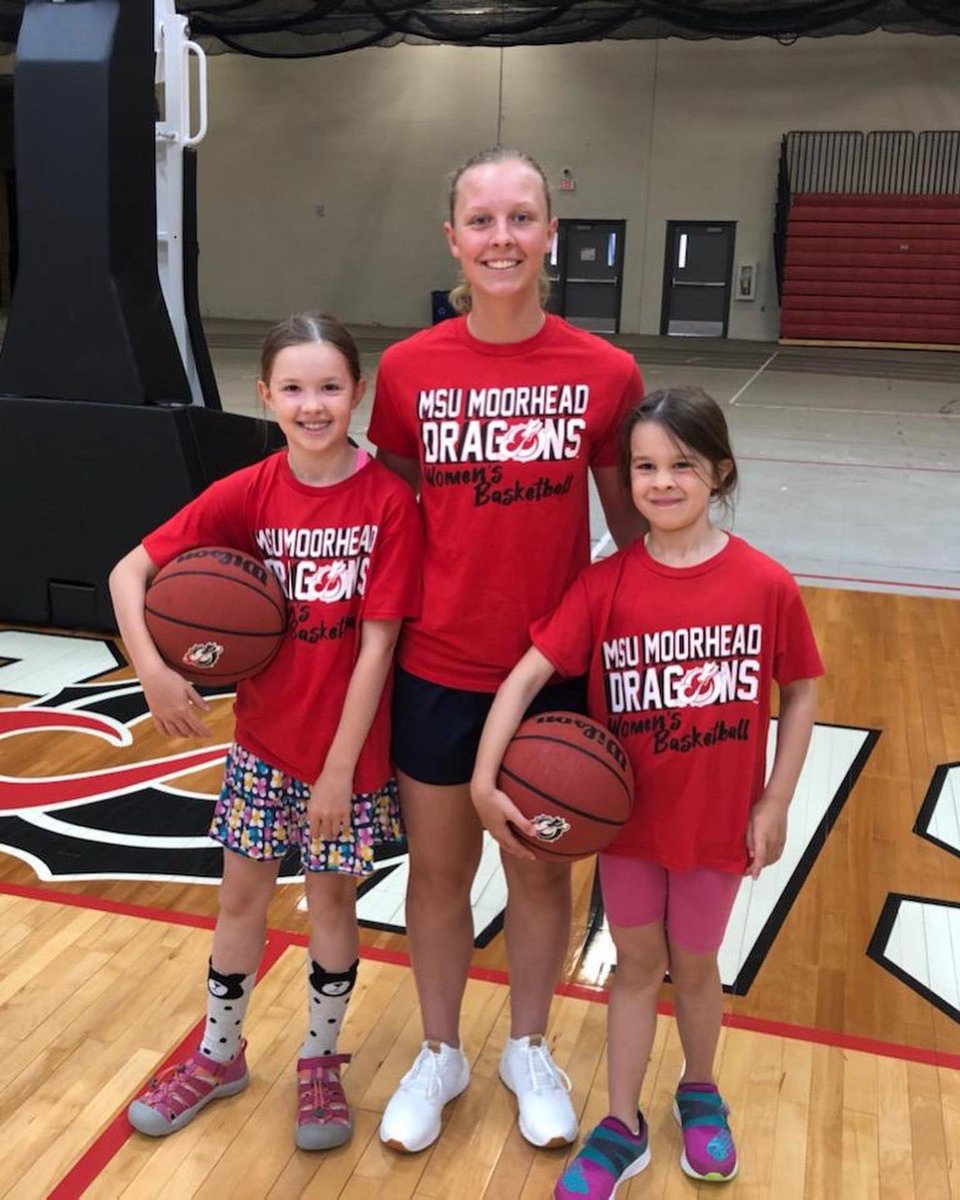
(696, 283)
(572, 279)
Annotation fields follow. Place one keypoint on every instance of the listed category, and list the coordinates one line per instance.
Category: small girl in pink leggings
(683, 634)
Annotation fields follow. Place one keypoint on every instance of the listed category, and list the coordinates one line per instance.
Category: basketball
(573, 779)
(216, 615)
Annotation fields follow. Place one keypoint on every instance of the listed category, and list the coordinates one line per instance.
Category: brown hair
(309, 327)
(460, 297)
(693, 419)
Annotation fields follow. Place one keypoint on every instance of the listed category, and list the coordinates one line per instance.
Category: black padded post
(81, 483)
(87, 320)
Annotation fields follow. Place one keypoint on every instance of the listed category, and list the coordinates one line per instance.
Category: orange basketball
(216, 615)
(573, 779)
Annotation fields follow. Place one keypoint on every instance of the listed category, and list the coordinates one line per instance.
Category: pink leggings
(693, 906)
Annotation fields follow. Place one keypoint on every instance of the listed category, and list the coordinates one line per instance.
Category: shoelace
(167, 1089)
(545, 1075)
(424, 1075)
(322, 1093)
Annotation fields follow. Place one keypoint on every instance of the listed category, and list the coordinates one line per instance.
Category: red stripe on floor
(99, 1154)
(96, 1158)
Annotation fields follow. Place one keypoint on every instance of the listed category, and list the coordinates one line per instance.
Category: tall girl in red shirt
(497, 417)
(309, 768)
(683, 634)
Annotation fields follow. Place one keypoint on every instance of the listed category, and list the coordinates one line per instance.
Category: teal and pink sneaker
(708, 1150)
(611, 1154)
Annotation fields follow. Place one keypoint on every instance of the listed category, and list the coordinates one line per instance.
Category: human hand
(174, 703)
(766, 833)
(501, 817)
(330, 805)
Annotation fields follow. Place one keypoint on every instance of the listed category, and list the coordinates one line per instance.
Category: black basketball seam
(243, 583)
(211, 628)
(560, 803)
(534, 737)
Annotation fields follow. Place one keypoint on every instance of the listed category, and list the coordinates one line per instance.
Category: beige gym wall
(651, 131)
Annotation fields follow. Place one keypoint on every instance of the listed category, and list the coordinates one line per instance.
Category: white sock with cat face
(328, 994)
(227, 1000)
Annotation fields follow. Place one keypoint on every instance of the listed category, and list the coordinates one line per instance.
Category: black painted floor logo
(917, 938)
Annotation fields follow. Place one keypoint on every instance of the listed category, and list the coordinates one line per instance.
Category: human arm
(408, 469)
(623, 520)
(495, 809)
(174, 703)
(767, 827)
(328, 810)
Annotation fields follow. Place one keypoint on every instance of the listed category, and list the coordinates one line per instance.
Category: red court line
(893, 583)
(281, 939)
(109, 1143)
(115, 1136)
(101, 904)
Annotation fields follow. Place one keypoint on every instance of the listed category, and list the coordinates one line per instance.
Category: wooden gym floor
(842, 1066)
(841, 1052)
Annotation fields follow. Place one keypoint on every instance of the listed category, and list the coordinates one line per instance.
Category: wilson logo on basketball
(203, 655)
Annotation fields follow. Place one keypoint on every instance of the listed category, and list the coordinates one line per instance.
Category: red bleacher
(872, 268)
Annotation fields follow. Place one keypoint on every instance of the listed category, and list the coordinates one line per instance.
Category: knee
(538, 882)
(690, 972)
(440, 883)
(331, 897)
(641, 972)
(247, 904)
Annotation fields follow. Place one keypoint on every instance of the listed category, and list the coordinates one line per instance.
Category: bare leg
(245, 895)
(699, 1000)
(538, 934)
(632, 1015)
(445, 840)
(332, 905)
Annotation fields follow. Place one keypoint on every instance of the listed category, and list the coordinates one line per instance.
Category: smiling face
(312, 392)
(671, 484)
(501, 229)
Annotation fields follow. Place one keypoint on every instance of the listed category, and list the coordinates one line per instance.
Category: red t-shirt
(344, 554)
(681, 662)
(505, 436)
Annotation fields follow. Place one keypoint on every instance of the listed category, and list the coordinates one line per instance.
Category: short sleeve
(390, 428)
(214, 518)
(606, 449)
(396, 567)
(795, 655)
(565, 636)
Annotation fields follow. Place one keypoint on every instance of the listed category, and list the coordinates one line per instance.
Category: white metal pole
(174, 50)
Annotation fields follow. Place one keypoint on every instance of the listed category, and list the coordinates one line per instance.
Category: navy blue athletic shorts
(436, 729)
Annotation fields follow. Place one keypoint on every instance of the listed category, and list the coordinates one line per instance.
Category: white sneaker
(547, 1118)
(411, 1120)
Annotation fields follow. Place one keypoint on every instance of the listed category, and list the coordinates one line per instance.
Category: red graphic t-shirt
(344, 554)
(681, 662)
(505, 436)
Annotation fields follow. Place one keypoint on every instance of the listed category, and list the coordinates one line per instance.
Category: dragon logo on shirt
(523, 442)
(699, 686)
(332, 582)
